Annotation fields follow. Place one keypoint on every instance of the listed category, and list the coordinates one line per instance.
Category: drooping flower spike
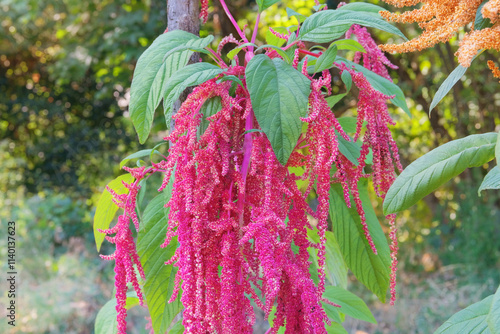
(239, 217)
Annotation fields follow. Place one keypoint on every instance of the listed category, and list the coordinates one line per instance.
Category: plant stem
(309, 53)
(255, 29)
(233, 21)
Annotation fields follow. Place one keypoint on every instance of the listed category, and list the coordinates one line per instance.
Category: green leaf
(106, 209)
(282, 53)
(491, 180)
(347, 80)
(138, 154)
(159, 277)
(105, 321)
(275, 40)
(348, 124)
(279, 95)
(349, 149)
(334, 99)
(437, 167)
(178, 328)
(381, 84)
(447, 85)
(336, 328)
(209, 108)
(265, 4)
(480, 22)
(231, 54)
(351, 304)
(232, 78)
(191, 75)
(370, 269)
(150, 73)
(493, 317)
(327, 25)
(291, 13)
(349, 44)
(471, 320)
(497, 151)
(325, 61)
(363, 7)
(335, 269)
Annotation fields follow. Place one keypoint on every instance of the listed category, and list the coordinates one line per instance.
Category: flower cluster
(372, 109)
(440, 20)
(239, 217)
(125, 255)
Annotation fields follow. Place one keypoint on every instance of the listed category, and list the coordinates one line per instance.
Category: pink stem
(233, 21)
(218, 59)
(290, 45)
(255, 29)
(309, 53)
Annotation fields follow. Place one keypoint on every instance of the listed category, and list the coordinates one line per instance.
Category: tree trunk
(184, 15)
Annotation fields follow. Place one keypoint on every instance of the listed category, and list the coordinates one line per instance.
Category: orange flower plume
(441, 19)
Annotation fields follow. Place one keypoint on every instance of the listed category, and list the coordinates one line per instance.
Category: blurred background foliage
(65, 73)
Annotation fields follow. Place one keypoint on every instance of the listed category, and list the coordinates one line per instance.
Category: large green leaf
(471, 320)
(447, 85)
(327, 25)
(151, 68)
(351, 304)
(349, 44)
(497, 151)
(336, 328)
(363, 7)
(279, 95)
(138, 154)
(480, 22)
(437, 167)
(381, 84)
(335, 269)
(178, 328)
(191, 75)
(106, 209)
(325, 61)
(370, 269)
(209, 108)
(159, 277)
(493, 318)
(105, 321)
(491, 180)
(349, 149)
(265, 4)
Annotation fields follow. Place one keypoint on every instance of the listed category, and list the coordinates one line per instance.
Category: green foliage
(327, 25)
(491, 180)
(447, 85)
(480, 22)
(325, 61)
(106, 209)
(105, 322)
(493, 318)
(265, 4)
(209, 108)
(370, 269)
(279, 95)
(471, 320)
(381, 84)
(153, 71)
(159, 277)
(350, 304)
(191, 75)
(437, 167)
